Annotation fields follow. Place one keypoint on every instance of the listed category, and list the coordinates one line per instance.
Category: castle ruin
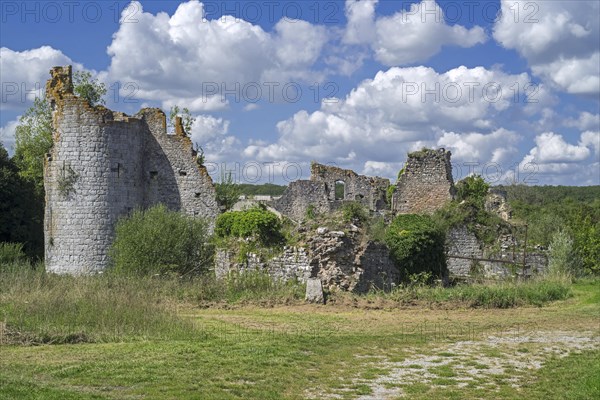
(103, 165)
(425, 183)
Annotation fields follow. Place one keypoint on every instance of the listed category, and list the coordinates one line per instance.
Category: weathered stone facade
(292, 264)
(319, 192)
(302, 194)
(339, 260)
(476, 262)
(495, 202)
(369, 191)
(105, 164)
(426, 183)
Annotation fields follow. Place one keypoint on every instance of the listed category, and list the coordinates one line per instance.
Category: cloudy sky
(512, 88)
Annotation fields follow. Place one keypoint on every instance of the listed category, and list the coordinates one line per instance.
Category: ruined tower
(103, 165)
(425, 183)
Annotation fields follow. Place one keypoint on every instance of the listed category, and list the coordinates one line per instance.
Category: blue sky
(511, 88)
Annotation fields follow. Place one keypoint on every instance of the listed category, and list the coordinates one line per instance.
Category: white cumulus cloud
(407, 36)
(559, 39)
(400, 110)
(24, 74)
(185, 56)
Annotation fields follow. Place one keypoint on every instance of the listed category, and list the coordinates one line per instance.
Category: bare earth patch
(485, 364)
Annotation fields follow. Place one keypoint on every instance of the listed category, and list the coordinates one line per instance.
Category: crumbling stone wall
(300, 195)
(292, 264)
(462, 242)
(341, 261)
(426, 183)
(370, 191)
(495, 202)
(319, 192)
(103, 165)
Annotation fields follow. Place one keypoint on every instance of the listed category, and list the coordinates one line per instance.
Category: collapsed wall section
(425, 184)
(300, 196)
(369, 191)
(101, 167)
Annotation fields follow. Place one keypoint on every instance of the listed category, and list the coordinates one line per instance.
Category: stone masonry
(319, 192)
(425, 184)
(341, 261)
(103, 165)
(463, 243)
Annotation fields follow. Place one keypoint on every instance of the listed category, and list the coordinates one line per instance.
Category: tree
(21, 208)
(33, 140)
(563, 259)
(472, 188)
(186, 118)
(90, 89)
(228, 192)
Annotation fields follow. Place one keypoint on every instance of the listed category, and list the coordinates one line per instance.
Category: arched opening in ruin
(340, 190)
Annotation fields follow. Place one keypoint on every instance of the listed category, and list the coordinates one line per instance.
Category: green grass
(493, 295)
(247, 338)
(44, 308)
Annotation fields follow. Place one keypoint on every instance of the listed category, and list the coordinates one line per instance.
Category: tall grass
(36, 307)
(535, 292)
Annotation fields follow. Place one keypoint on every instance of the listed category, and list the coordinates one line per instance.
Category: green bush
(472, 188)
(11, 253)
(416, 245)
(255, 223)
(563, 260)
(354, 212)
(161, 241)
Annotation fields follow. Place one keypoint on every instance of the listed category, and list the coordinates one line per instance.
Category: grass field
(439, 346)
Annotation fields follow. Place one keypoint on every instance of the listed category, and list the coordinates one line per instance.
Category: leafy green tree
(21, 208)
(472, 188)
(416, 245)
(563, 259)
(90, 89)
(33, 140)
(228, 192)
(186, 118)
(160, 241)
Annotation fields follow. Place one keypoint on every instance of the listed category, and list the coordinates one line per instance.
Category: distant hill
(264, 189)
(545, 195)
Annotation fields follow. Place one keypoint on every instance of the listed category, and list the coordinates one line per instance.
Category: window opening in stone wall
(340, 190)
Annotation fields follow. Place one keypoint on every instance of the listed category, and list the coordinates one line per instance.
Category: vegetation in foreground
(154, 338)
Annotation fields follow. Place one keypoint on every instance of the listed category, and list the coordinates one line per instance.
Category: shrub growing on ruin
(472, 189)
(228, 192)
(255, 223)
(354, 212)
(416, 245)
(159, 241)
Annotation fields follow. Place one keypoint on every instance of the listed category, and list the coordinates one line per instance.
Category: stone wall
(461, 242)
(370, 191)
(292, 264)
(426, 183)
(103, 165)
(299, 196)
(319, 192)
(340, 261)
